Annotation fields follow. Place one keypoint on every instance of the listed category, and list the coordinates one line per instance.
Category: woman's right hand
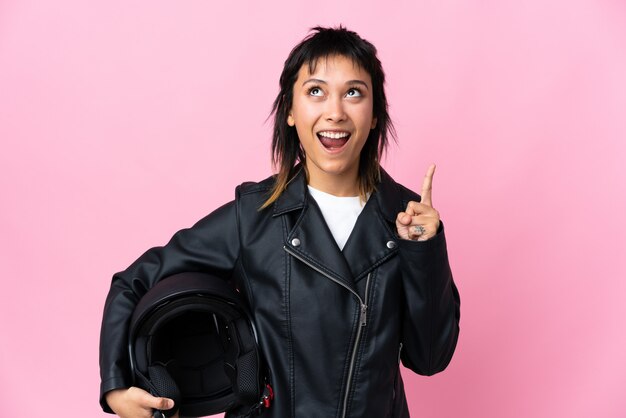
(135, 402)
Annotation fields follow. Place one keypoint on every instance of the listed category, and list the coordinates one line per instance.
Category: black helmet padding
(192, 340)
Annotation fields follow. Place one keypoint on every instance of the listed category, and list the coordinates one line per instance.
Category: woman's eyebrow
(314, 80)
(349, 82)
(359, 82)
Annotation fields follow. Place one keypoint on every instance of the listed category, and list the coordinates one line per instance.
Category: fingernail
(169, 404)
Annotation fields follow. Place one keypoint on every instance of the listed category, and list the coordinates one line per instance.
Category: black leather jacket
(332, 324)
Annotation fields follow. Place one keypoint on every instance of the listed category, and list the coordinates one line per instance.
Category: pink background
(122, 122)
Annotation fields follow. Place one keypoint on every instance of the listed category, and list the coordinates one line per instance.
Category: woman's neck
(344, 184)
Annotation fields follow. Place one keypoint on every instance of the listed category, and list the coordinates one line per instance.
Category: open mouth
(333, 140)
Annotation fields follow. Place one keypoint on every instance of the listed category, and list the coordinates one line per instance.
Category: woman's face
(332, 112)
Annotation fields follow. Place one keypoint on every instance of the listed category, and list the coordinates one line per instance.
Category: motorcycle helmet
(192, 340)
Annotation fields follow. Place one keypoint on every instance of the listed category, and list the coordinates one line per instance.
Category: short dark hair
(319, 44)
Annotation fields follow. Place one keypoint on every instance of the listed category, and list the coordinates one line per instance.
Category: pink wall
(121, 123)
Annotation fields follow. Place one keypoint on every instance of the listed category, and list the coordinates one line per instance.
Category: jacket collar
(388, 195)
(371, 242)
(294, 196)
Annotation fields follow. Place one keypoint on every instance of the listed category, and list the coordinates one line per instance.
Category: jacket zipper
(362, 323)
(355, 348)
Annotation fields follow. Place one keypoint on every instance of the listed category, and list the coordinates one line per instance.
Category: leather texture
(332, 325)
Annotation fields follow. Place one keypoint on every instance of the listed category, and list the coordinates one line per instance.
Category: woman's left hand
(420, 221)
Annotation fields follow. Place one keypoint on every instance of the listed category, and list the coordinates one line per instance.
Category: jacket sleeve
(430, 326)
(210, 245)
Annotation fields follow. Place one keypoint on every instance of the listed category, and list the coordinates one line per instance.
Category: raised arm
(431, 320)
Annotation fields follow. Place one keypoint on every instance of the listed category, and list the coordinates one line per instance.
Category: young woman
(344, 270)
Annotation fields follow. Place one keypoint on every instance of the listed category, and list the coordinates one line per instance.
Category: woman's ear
(290, 120)
(374, 120)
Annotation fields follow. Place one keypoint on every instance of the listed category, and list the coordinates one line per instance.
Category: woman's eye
(353, 93)
(315, 91)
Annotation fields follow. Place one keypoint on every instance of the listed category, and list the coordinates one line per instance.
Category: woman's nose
(335, 111)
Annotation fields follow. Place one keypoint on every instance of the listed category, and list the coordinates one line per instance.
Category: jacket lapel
(371, 242)
(374, 239)
(308, 237)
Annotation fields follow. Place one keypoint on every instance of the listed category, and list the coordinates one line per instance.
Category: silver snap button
(295, 242)
(391, 244)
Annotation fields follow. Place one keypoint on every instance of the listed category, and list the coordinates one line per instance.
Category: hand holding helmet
(135, 402)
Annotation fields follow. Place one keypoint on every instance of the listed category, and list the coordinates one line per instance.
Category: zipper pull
(363, 314)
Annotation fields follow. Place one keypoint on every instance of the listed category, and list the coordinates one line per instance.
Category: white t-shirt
(340, 213)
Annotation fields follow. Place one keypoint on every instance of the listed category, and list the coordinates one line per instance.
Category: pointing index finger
(427, 186)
